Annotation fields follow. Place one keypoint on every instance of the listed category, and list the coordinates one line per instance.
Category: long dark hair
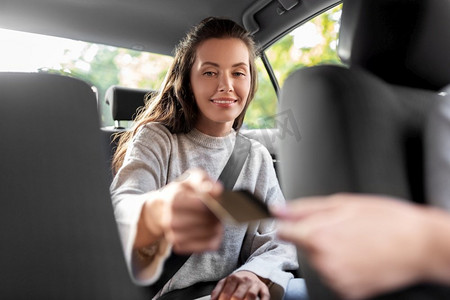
(174, 106)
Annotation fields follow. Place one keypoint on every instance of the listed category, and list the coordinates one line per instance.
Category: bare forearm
(148, 232)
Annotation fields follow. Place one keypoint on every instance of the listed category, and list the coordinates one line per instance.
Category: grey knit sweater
(157, 157)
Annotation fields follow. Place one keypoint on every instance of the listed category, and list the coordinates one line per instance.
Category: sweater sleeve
(143, 172)
(262, 253)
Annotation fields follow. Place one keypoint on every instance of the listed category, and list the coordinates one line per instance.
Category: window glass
(260, 111)
(102, 66)
(312, 43)
(99, 65)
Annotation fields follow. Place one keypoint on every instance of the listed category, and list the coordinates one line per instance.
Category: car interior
(364, 126)
(357, 126)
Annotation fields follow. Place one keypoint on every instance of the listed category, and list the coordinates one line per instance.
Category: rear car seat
(124, 103)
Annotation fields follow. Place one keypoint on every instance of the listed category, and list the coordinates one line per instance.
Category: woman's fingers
(207, 243)
(201, 183)
(241, 285)
(188, 224)
(204, 237)
(218, 289)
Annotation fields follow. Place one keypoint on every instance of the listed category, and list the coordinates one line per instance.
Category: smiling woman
(158, 190)
(221, 80)
(100, 65)
(103, 66)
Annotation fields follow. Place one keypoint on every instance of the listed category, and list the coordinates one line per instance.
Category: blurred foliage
(104, 66)
(310, 44)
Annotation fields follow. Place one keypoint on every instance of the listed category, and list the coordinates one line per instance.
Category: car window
(102, 66)
(312, 43)
(260, 111)
(99, 65)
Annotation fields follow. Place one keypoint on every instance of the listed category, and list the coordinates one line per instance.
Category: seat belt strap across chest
(228, 178)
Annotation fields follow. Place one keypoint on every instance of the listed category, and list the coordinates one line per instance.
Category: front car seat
(362, 126)
(59, 238)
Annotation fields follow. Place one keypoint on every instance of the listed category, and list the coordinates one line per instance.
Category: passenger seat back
(57, 228)
(363, 126)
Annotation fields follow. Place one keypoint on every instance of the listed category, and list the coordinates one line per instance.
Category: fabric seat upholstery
(362, 125)
(57, 228)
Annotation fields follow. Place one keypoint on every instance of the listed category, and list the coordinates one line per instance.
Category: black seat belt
(232, 169)
(228, 177)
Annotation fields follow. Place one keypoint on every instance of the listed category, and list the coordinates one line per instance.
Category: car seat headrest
(405, 42)
(125, 101)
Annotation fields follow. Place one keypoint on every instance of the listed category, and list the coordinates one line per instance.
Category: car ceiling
(151, 25)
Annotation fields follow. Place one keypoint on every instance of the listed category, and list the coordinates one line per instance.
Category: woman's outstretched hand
(177, 213)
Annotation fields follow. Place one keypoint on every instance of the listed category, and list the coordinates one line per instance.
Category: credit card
(238, 206)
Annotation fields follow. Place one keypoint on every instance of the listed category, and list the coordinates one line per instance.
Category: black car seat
(362, 126)
(59, 238)
(124, 103)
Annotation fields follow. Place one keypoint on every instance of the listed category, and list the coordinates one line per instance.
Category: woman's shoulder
(156, 127)
(258, 150)
(266, 137)
(153, 132)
